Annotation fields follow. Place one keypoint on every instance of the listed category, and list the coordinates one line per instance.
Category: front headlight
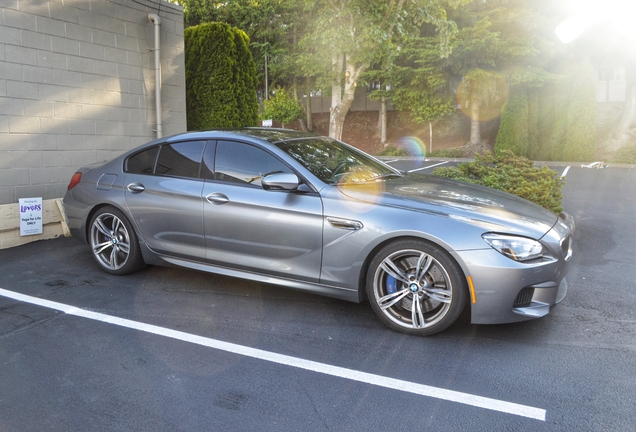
(516, 248)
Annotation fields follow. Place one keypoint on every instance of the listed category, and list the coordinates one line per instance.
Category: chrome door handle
(136, 187)
(217, 198)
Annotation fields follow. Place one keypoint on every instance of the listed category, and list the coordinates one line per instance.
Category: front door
(250, 228)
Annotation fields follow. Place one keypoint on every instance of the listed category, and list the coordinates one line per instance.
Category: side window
(143, 162)
(243, 163)
(180, 159)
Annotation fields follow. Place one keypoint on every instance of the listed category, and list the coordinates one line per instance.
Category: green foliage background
(220, 78)
(282, 107)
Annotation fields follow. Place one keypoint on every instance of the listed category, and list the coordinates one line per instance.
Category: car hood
(488, 208)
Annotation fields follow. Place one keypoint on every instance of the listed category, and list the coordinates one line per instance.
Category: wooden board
(53, 224)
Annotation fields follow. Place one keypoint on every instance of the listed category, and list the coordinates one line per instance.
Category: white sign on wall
(30, 216)
(267, 123)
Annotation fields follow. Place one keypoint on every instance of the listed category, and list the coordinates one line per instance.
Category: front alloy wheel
(415, 288)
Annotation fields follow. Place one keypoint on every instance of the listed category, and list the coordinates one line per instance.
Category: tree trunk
(342, 93)
(382, 121)
(310, 122)
(475, 131)
(303, 126)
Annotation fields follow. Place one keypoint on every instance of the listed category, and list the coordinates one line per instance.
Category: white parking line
(350, 374)
(565, 172)
(430, 166)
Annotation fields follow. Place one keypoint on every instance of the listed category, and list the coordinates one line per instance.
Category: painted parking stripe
(565, 172)
(427, 167)
(350, 374)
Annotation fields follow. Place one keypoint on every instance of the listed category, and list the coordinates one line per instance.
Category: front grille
(524, 298)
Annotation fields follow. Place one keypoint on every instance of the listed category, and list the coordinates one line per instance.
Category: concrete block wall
(77, 87)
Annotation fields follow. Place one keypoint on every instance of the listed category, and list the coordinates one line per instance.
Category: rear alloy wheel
(416, 288)
(114, 242)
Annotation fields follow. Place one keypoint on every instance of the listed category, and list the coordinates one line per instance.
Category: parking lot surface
(170, 349)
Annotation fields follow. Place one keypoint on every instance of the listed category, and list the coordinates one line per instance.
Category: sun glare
(589, 12)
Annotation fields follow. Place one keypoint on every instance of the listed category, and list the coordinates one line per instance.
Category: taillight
(77, 177)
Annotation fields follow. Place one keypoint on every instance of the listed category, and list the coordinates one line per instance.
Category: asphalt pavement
(176, 350)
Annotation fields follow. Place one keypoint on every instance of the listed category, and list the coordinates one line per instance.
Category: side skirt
(325, 290)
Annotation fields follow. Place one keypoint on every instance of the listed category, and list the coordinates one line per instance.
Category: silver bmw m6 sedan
(311, 213)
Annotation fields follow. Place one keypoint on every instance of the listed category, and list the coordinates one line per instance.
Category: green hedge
(220, 78)
(512, 174)
(580, 141)
(513, 130)
(626, 155)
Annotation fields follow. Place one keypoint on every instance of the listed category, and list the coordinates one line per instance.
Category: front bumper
(508, 291)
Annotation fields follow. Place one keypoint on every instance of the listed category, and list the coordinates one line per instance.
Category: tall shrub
(533, 124)
(559, 123)
(513, 129)
(580, 142)
(220, 77)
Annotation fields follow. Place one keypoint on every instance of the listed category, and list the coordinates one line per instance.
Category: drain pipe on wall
(154, 18)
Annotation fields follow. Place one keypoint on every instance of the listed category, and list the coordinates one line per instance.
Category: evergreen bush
(626, 155)
(513, 129)
(580, 140)
(510, 173)
(456, 152)
(220, 77)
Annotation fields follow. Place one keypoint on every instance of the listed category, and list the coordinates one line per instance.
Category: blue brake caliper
(390, 284)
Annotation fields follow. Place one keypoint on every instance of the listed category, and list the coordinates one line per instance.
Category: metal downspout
(154, 18)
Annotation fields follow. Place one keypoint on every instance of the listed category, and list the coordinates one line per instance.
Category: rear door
(163, 190)
(250, 228)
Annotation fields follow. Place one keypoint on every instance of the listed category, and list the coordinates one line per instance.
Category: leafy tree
(496, 47)
(220, 77)
(413, 79)
(282, 107)
(348, 36)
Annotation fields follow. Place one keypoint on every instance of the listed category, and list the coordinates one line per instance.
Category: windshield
(334, 162)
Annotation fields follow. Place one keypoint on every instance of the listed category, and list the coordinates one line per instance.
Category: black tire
(114, 243)
(415, 287)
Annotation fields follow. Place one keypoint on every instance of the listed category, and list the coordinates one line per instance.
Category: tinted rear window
(181, 159)
(143, 162)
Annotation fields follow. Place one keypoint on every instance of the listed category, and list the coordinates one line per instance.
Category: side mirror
(281, 181)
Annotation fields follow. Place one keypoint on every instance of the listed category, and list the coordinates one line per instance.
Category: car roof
(272, 135)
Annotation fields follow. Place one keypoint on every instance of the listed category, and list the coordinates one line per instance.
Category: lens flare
(356, 184)
(413, 145)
